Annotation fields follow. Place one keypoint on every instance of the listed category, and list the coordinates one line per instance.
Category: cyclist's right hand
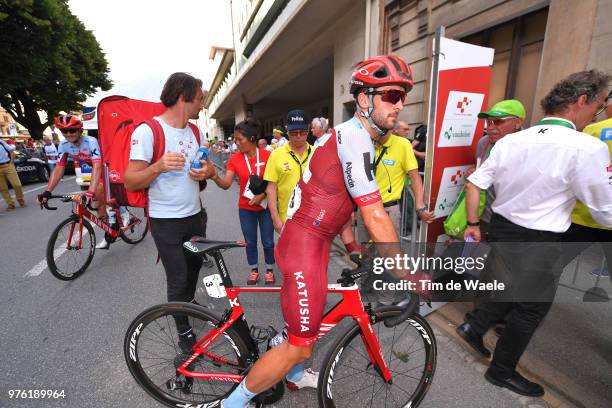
(44, 197)
(170, 161)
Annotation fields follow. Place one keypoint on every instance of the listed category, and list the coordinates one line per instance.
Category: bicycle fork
(372, 346)
(80, 235)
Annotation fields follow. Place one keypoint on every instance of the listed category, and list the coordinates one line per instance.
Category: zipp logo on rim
(421, 330)
(212, 404)
(133, 342)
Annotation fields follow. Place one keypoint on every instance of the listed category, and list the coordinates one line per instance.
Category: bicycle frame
(81, 211)
(349, 306)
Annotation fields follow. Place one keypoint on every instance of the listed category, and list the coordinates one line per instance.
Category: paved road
(69, 335)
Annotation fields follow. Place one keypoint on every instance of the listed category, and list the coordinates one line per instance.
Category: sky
(146, 41)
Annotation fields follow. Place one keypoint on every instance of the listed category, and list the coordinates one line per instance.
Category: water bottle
(111, 215)
(201, 154)
(278, 339)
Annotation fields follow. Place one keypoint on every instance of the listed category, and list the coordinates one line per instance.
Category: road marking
(42, 265)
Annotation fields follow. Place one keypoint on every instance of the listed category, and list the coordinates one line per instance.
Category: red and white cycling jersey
(339, 175)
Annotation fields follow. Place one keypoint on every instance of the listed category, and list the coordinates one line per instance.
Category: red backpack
(118, 117)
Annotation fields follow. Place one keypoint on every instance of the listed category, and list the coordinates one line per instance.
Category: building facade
(291, 54)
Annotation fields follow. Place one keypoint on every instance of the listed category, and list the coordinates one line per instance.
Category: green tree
(48, 61)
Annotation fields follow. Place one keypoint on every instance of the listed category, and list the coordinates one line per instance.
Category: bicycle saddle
(200, 245)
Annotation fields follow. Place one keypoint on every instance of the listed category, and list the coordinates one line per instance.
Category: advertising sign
(463, 73)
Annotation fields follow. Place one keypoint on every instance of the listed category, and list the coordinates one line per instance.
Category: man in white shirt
(538, 174)
(50, 153)
(176, 213)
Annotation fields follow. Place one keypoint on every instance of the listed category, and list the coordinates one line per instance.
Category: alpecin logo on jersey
(349, 176)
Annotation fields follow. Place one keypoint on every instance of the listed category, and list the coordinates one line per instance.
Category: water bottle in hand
(201, 154)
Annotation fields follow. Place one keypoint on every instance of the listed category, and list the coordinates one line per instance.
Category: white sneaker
(103, 244)
(310, 379)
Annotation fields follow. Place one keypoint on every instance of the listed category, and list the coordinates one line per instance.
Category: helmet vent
(381, 73)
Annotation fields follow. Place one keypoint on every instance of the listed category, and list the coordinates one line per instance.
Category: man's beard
(383, 122)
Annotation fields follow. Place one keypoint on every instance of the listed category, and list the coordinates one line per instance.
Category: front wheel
(70, 249)
(154, 350)
(134, 225)
(349, 379)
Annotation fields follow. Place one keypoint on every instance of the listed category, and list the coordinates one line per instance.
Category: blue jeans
(248, 223)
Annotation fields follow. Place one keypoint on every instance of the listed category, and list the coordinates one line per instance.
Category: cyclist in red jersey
(339, 175)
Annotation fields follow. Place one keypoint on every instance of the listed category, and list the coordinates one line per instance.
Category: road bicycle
(72, 244)
(386, 357)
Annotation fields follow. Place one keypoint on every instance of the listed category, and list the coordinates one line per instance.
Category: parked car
(30, 168)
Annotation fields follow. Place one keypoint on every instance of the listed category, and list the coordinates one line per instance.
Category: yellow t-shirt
(284, 170)
(391, 170)
(603, 131)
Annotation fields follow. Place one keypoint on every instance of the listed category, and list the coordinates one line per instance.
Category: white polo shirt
(538, 174)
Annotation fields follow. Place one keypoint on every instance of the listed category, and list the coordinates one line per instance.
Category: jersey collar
(557, 121)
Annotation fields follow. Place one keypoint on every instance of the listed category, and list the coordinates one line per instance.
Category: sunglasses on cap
(499, 121)
(391, 96)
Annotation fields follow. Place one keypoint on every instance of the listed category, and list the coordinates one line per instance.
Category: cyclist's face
(385, 113)
(72, 135)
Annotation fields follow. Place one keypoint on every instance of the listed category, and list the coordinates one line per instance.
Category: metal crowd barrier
(219, 158)
(409, 220)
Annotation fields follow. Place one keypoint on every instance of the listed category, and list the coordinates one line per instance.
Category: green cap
(505, 108)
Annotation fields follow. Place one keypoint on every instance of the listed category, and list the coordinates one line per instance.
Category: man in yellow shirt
(285, 167)
(393, 159)
(584, 229)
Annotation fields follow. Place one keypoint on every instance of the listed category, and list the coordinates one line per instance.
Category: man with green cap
(503, 118)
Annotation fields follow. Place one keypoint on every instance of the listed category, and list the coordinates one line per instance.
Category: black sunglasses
(391, 96)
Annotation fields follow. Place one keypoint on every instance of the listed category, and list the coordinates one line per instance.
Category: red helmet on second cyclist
(68, 122)
(382, 70)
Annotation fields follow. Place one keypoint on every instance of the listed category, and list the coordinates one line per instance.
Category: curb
(447, 318)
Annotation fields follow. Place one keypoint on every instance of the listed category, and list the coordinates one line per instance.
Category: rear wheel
(137, 225)
(153, 352)
(349, 379)
(67, 260)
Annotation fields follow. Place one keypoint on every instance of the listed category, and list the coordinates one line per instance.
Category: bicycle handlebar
(66, 199)
(409, 305)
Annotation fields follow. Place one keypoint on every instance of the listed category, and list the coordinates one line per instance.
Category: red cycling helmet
(68, 122)
(382, 70)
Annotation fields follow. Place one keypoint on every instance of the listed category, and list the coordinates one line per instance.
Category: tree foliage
(48, 61)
